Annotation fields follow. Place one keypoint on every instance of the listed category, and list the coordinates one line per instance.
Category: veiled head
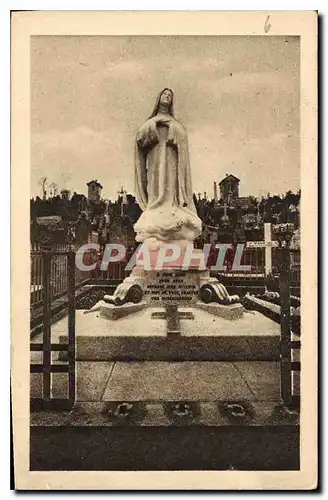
(164, 98)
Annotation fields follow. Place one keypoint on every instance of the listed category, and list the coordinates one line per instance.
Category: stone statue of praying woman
(163, 179)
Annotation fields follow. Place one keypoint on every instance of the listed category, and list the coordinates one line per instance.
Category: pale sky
(237, 96)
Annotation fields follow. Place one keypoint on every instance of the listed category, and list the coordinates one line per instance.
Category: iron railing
(48, 367)
(57, 273)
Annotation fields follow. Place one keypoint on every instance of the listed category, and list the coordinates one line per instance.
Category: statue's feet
(95, 308)
(214, 291)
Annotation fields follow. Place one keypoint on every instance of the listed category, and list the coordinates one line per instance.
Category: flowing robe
(163, 182)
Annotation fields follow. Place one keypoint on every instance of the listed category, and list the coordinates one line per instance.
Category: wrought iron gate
(47, 368)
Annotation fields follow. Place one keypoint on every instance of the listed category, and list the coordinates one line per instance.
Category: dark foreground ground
(165, 448)
(257, 434)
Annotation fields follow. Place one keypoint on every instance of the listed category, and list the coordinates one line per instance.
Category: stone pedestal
(182, 281)
(232, 312)
(180, 254)
(110, 311)
(143, 337)
(172, 286)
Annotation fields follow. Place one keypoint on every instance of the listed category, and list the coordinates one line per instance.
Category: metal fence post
(285, 349)
(46, 326)
(71, 326)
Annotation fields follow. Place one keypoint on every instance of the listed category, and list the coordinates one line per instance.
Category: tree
(43, 182)
(53, 189)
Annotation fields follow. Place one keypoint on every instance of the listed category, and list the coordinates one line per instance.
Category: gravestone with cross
(268, 244)
(225, 216)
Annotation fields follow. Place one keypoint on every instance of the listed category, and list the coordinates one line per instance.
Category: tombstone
(169, 223)
(268, 244)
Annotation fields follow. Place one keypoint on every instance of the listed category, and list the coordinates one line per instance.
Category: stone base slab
(177, 348)
(231, 312)
(138, 337)
(113, 312)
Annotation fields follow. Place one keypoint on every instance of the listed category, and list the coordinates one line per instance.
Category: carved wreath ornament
(182, 410)
(123, 411)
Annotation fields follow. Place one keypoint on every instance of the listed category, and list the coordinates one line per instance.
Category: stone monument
(169, 272)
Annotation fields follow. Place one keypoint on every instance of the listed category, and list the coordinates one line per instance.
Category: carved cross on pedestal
(172, 316)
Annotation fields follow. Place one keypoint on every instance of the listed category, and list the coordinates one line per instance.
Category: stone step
(138, 337)
(177, 348)
(167, 381)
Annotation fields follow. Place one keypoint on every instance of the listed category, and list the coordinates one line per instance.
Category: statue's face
(166, 98)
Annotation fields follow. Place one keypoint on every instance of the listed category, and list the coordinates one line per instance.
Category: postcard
(164, 246)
